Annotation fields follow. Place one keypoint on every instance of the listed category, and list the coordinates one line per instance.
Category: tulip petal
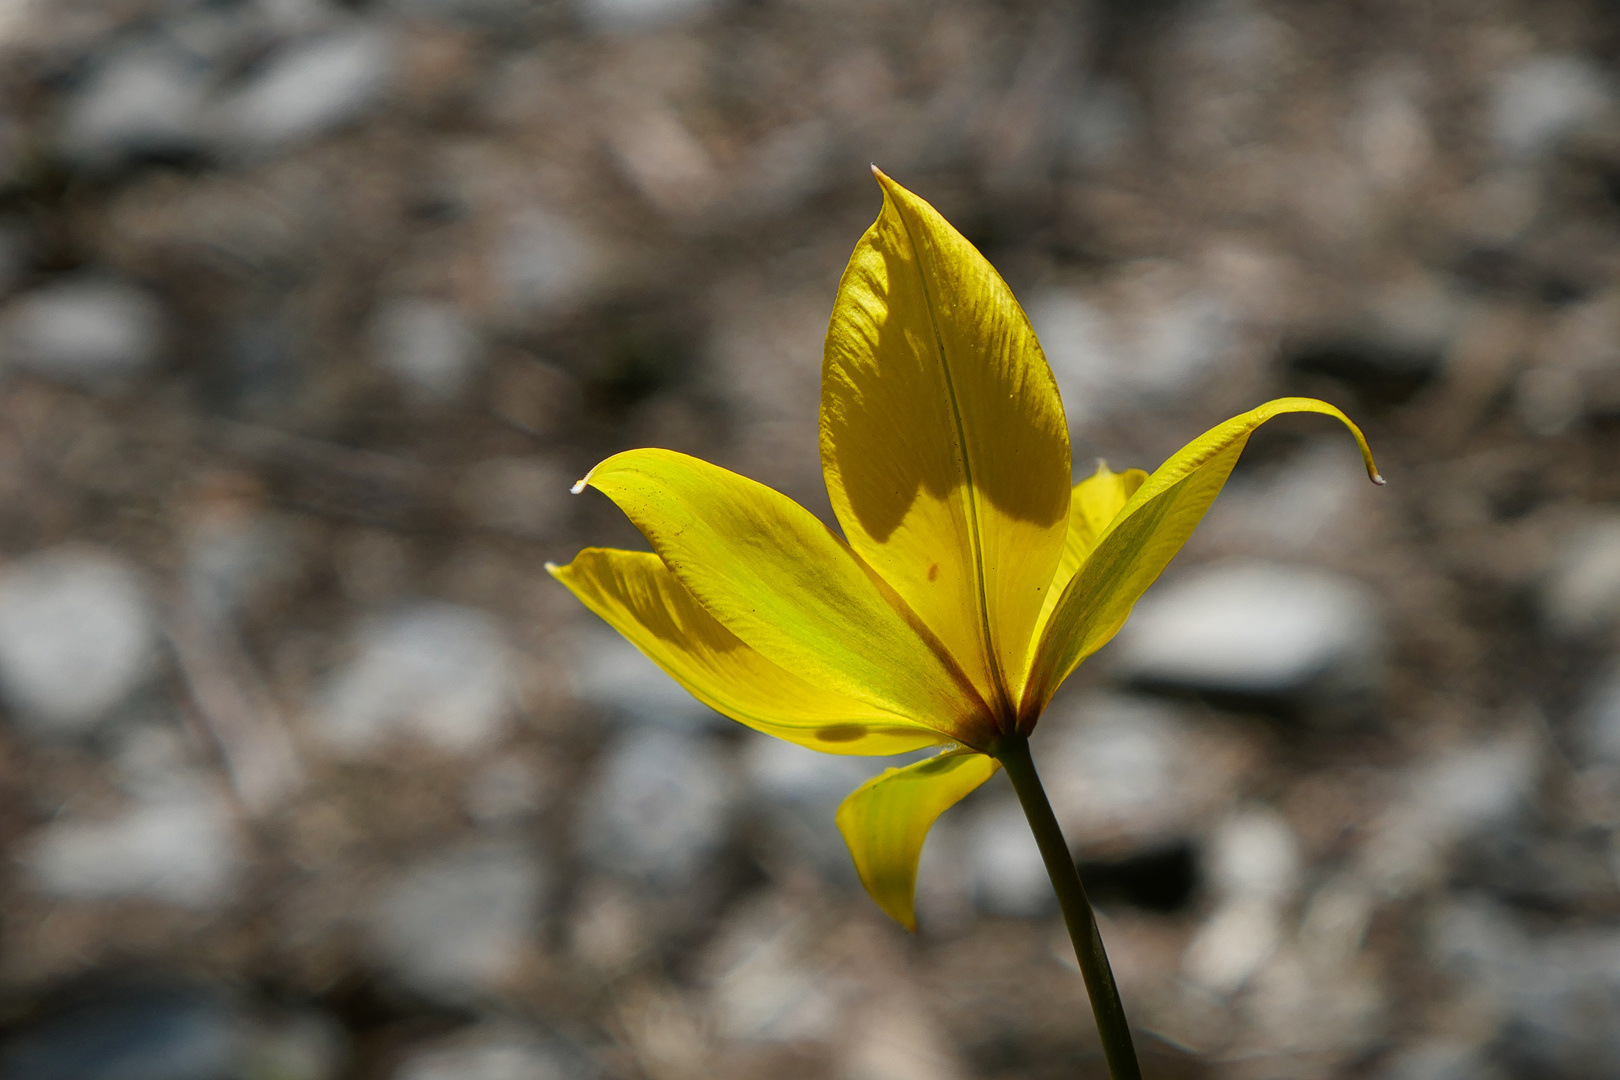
(1143, 538)
(1094, 502)
(771, 573)
(943, 439)
(886, 820)
(634, 592)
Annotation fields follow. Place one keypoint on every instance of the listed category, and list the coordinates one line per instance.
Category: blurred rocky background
(312, 310)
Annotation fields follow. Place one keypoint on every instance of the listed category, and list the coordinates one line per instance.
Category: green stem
(1013, 753)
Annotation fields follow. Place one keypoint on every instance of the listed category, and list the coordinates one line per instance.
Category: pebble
(140, 103)
(178, 846)
(1254, 865)
(1598, 730)
(77, 638)
(461, 923)
(1581, 592)
(614, 676)
(83, 331)
(1129, 772)
(308, 88)
(1537, 103)
(493, 1054)
(131, 1032)
(621, 16)
(658, 808)
(432, 671)
(1147, 338)
(427, 346)
(765, 984)
(544, 261)
(1254, 628)
(1008, 875)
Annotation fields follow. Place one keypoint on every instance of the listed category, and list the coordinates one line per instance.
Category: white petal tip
(1378, 479)
(579, 486)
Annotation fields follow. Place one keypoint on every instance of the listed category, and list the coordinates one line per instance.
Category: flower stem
(1013, 753)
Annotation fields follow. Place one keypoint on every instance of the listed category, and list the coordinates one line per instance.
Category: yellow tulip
(970, 579)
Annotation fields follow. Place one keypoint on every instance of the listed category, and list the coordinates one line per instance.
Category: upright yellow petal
(943, 439)
(768, 571)
(1094, 502)
(634, 592)
(886, 820)
(1144, 537)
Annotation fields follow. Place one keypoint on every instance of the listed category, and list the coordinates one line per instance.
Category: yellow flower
(970, 579)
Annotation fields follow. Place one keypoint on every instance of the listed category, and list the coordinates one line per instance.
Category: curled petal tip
(1378, 478)
(579, 485)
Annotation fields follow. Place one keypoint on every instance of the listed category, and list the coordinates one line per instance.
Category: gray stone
(765, 982)
(437, 672)
(613, 675)
(137, 1032)
(658, 809)
(308, 88)
(178, 846)
(139, 103)
(1148, 337)
(1543, 99)
(1008, 875)
(1254, 628)
(86, 331)
(1598, 730)
(1581, 592)
(427, 346)
(493, 1054)
(544, 262)
(621, 16)
(461, 923)
(77, 638)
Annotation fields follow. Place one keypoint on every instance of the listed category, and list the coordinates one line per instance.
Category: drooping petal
(886, 820)
(1144, 537)
(634, 592)
(768, 571)
(943, 439)
(1093, 503)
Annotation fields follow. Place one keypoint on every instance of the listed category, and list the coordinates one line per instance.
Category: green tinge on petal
(772, 574)
(1093, 504)
(634, 592)
(1143, 538)
(886, 820)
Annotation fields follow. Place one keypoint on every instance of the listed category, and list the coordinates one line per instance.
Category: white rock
(178, 846)
(308, 88)
(1598, 733)
(1255, 854)
(765, 984)
(427, 346)
(84, 330)
(658, 808)
(437, 672)
(462, 922)
(1149, 337)
(139, 102)
(545, 261)
(1232, 944)
(76, 638)
(1133, 773)
(491, 1055)
(1543, 99)
(1009, 876)
(619, 16)
(1254, 628)
(1581, 593)
(613, 675)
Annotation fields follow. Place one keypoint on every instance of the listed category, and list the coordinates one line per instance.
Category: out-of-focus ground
(312, 312)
